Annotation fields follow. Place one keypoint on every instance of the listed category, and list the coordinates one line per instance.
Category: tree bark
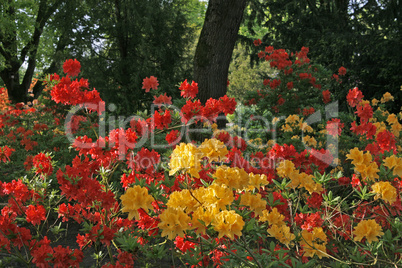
(215, 47)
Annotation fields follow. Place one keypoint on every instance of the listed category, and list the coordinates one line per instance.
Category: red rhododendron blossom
(183, 245)
(211, 109)
(173, 137)
(326, 96)
(43, 164)
(257, 42)
(227, 104)
(334, 127)
(308, 111)
(35, 214)
(342, 71)
(72, 67)
(191, 110)
(187, 90)
(5, 153)
(150, 83)
(162, 121)
(354, 97)
(365, 112)
(162, 99)
(315, 200)
(386, 141)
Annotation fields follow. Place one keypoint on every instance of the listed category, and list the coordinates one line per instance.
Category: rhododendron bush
(140, 191)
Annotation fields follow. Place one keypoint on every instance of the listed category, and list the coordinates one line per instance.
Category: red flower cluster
(75, 92)
(43, 164)
(5, 153)
(354, 97)
(35, 214)
(162, 121)
(72, 67)
(187, 90)
(326, 96)
(150, 83)
(162, 99)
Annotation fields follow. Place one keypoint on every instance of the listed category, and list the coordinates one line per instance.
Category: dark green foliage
(363, 36)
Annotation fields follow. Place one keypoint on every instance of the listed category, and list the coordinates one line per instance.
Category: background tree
(121, 42)
(19, 42)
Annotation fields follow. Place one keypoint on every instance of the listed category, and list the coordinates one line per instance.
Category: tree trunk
(215, 47)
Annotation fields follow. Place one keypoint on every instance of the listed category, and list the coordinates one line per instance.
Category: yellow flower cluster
(298, 179)
(314, 242)
(385, 191)
(229, 223)
(255, 181)
(234, 178)
(310, 141)
(396, 127)
(135, 198)
(278, 228)
(174, 222)
(387, 97)
(369, 229)
(207, 206)
(214, 150)
(363, 163)
(187, 157)
(292, 122)
(254, 202)
(394, 163)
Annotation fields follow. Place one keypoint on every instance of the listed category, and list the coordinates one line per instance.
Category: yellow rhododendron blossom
(257, 180)
(286, 128)
(218, 195)
(292, 119)
(369, 229)
(285, 168)
(391, 161)
(174, 222)
(234, 178)
(356, 156)
(214, 150)
(135, 198)
(314, 242)
(275, 120)
(186, 157)
(387, 97)
(281, 233)
(295, 179)
(182, 200)
(305, 127)
(228, 223)
(392, 119)
(310, 141)
(273, 217)
(368, 172)
(385, 191)
(203, 217)
(394, 163)
(374, 102)
(309, 184)
(254, 202)
(396, 129)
